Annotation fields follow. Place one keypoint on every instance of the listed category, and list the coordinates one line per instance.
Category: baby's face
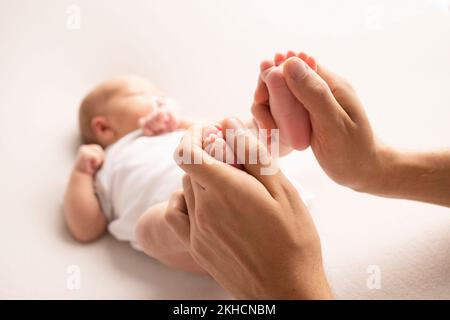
(131, 98)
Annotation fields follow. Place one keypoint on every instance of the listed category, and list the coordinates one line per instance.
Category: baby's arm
(82, 210)
(157, 239)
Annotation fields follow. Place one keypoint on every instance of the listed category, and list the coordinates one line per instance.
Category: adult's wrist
(420, 176)
(375, 174)
(396, 171)
(386, 173)
(315, 288)
(299, 284)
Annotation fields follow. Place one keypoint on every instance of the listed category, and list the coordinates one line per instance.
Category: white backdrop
(206, 55)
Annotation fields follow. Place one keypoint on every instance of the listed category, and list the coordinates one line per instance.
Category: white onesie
(139, 172)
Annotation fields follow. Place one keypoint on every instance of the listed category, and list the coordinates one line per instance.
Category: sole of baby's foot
(289, 114)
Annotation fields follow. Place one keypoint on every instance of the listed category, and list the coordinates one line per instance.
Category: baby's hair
(95, 102)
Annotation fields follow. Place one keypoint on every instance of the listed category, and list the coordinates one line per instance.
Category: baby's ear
(102, 130)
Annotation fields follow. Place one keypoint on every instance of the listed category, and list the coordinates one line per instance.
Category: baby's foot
(288, 113)
(213, 142)
(162, 120)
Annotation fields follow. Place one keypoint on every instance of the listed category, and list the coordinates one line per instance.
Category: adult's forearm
(416, 176)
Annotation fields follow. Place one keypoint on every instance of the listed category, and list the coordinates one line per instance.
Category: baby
(124, 173)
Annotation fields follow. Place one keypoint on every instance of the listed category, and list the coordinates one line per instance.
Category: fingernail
(296, 68)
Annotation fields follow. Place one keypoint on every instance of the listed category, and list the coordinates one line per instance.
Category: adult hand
(342, 138)
(250, 232)
(346, 148)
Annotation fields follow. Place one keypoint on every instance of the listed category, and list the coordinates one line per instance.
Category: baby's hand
(161, 121)
(90, 158)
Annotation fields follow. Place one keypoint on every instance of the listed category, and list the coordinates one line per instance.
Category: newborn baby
(124, 173)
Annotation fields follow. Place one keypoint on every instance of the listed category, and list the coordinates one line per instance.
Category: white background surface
(206, 55)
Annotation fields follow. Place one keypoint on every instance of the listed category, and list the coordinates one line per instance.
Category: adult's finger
(203, 168)
(195, 193)
(252, 154)
(344, 94)
(177, 217)
(311, 90)
(188, 194)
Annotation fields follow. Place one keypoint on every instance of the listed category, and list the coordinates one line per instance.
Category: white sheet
(205, 54)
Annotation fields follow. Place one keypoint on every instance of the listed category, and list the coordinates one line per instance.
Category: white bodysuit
(139, 172)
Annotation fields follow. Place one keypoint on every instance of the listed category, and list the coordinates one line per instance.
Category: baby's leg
(289, 114)
(157, 240)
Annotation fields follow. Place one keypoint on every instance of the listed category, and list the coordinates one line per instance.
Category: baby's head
(114, 108)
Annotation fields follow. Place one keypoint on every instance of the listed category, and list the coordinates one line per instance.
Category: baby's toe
(208, 130)
(265, 67)
(279, 58)
(310, 61)
(218, 149)
(266, 64)
(303, 56)
(210, 134)
(290, 54)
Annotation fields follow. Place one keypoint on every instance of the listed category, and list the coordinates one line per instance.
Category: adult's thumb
(252, 154)
(312, 91)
